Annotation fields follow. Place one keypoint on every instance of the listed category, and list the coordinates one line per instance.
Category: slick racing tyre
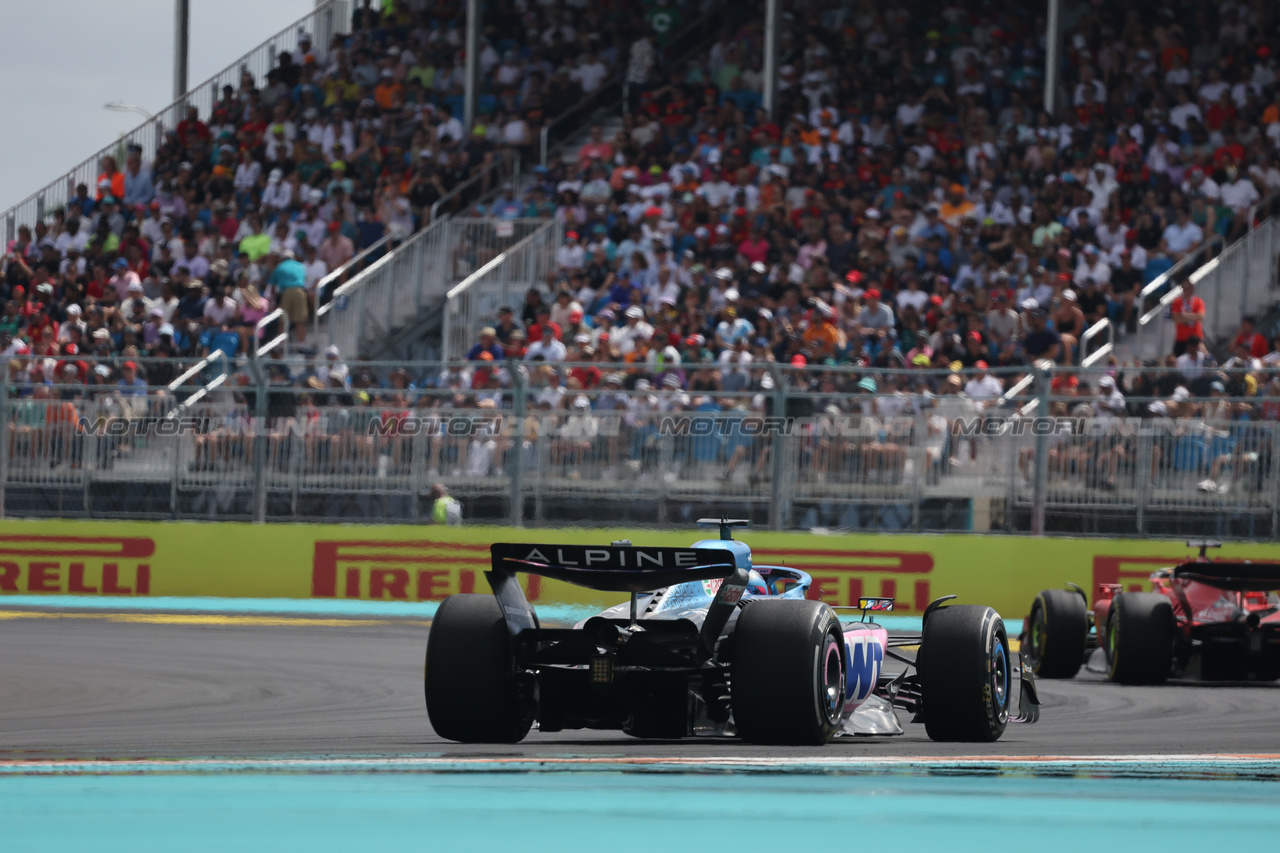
(469, 679)
(965, 674)
(787, 676)
(1140, 638)
(1057, 630)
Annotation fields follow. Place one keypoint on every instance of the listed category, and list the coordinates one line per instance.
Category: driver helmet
(756, 584)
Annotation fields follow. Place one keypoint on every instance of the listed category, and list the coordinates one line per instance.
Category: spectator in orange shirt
(822, 332)
(388, 94)
(955, 208)
(110, 180)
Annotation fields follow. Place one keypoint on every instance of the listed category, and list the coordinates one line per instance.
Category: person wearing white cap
(1093, 266)
(665, 290)
(1110, 402)
(73, 321)
(278, 193)
(634, 330)
(332, 363)
(248, 173)
(306, 48)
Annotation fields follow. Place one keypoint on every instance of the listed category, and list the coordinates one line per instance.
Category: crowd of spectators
(909, 207)
(910, 204)
(181, 251)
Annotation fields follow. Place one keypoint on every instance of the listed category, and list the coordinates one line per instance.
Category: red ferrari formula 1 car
(1208, 619)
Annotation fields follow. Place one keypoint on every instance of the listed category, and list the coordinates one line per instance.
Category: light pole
(181, 26)
(116, 106)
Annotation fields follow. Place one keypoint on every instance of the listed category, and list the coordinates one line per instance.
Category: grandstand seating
(909, 221)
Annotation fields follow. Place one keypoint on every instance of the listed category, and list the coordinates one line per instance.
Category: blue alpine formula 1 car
(709, 644)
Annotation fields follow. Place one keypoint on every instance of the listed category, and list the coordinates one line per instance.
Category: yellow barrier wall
(427, 563)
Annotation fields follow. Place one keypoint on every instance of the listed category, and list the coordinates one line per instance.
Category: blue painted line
(557, 613)
(274, 606)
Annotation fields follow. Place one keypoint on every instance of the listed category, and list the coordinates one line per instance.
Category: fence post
(778, 513)
(260, 445)
(1275, 482)
(1142, 477)
(515, 466)
(4, 454)
(1040, 485)
(177, 474)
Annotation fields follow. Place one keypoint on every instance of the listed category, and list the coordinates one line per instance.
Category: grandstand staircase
(420, 335)
(418, 338)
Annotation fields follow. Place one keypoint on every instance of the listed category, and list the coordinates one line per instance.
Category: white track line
(563, 763)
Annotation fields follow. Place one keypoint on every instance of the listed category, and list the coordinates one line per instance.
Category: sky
(64, 59)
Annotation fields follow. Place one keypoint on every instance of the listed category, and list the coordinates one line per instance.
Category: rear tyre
(965, 674)
(469, 679)
(1058, 629)
(787, 676)
(1140, 633)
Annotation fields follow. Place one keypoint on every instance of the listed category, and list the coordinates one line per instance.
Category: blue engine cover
(741, 550)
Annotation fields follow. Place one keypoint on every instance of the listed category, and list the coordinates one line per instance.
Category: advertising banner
(400, 563)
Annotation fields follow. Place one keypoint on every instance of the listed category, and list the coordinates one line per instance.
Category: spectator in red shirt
(1249, 337)
(224, 222)
(191, 128)
(1188, 314)
(754, 248)
(596, 147)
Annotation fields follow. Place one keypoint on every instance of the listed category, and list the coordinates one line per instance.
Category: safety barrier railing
(533, 443)
(330, 17)
(84, 449)
(474, 302)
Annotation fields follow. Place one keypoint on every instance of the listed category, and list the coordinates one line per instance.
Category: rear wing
(1245, 576)
(608, 568)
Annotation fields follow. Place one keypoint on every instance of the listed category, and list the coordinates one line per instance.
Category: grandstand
(906, 245)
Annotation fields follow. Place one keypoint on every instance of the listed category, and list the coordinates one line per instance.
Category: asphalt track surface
(121, 686)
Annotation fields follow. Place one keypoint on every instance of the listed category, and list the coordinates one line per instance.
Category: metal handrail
(186, 404)
(466, 283)
(199, 366)
(1164, 277)
(38, 197)
(276, 315)
(1016, 389)
(457, 191)
(463, 286)
(1176, 290)
(332, 277)
(1102, 351)
(371, 269)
